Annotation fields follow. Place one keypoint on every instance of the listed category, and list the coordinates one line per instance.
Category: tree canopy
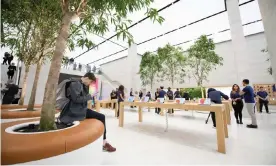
(149, 67)
(172, 61)
(202, 59)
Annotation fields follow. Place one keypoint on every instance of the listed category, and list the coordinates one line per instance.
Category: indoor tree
(25, 33)
(19, 40)
(173, 63)
(269, 69)
(149, 67)
(94, 17)
(44, 35)
(202, 59)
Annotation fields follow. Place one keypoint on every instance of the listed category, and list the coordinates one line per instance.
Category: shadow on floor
(195, 139)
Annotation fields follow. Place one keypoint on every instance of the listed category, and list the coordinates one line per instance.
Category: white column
(133, 67)
(242, 68)
(268, 12)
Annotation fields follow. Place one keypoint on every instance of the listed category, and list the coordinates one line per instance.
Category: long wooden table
(227, 104)
(219, 109)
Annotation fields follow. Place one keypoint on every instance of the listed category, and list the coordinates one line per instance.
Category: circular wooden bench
(6, 114)
(16, 106)
(20, 148)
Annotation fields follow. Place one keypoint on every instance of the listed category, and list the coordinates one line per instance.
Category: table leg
(224, 116)
(116, 109)
(167, 122)
(162, 111)
(220, 132)
(98, 106)
(228, 115)
(121, 115)
(140, 113)
(148, 109)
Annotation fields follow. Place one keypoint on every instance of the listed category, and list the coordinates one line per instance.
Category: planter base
(20, 148)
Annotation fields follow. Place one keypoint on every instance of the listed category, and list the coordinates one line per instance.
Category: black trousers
(263, 103)
(118, 111)
(4, 61)
(213, 116)
(10, 75)
(238, 110)
(9, 62)
(96, 115)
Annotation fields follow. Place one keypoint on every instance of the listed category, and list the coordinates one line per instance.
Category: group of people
(237, 96)
(161, 93)
(12, 68)
(7, 58)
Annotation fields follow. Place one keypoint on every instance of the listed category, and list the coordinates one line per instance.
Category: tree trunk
(47, 121)
(24, 85)
(33, 94)
(202, 92)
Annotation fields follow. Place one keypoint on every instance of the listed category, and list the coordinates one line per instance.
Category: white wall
(4, 75)
(30, 79)
(268, 11)
(119, 70)
(223, 76)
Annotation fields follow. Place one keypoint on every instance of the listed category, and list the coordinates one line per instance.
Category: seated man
(215, 97)
(75, 108)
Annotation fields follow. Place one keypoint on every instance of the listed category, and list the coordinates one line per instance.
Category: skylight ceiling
(177, 15)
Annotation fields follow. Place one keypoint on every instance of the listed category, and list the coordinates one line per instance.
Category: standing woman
(156, 94)
(237, 103)
(120, 97)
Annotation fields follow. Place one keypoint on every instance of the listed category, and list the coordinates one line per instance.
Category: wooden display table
(113, 101)
(219, 109)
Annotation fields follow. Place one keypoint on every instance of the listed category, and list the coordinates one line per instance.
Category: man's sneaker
(268, 112)
(108, 148)
(252, 126)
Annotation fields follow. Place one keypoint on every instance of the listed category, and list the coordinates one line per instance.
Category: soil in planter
(32, 128)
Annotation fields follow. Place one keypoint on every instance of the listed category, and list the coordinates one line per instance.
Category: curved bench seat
(20, 148)
(15, 106)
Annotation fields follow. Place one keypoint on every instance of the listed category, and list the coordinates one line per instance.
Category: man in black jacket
(215, 97)
(9, 93)
(76, 109)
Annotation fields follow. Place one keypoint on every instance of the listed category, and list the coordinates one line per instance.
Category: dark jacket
(75, 110)
(9, 93)
(215, 95)
(186, 96)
